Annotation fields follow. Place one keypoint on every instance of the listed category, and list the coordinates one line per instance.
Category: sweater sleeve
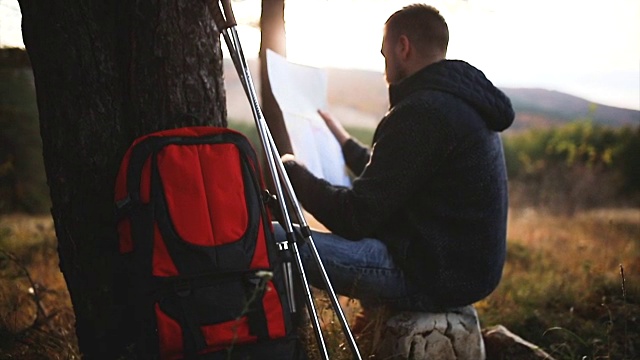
(356, 155)
(410, 148)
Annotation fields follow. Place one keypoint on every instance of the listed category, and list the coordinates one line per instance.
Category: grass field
(571, 285)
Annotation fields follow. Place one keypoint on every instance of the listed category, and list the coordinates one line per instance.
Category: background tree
(273, 37)
(107, 72)
(23, 186)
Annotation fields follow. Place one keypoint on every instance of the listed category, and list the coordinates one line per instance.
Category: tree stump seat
(453, 335)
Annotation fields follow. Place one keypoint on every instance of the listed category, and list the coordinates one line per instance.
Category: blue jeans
(361, 269)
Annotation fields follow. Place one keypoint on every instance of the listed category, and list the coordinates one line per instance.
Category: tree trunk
(107, 72)
(273, 37)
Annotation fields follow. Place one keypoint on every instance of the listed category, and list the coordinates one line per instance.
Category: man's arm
(406, 154)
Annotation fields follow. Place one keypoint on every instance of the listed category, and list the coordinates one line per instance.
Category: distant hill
(359, 97)
(554, 108)
(356, 97)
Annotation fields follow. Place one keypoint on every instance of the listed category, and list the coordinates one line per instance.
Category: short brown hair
(422, 24)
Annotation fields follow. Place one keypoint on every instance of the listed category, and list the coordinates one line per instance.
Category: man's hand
(336, 128)
(291, 159)
(287, 157)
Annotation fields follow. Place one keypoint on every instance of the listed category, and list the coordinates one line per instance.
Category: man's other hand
(336, 128)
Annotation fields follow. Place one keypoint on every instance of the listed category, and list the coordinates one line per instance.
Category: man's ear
(404, 47)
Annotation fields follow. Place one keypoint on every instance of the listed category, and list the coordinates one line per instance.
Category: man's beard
(399, 74)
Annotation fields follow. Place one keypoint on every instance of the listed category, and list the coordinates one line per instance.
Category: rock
(454, 335)
(501, 344)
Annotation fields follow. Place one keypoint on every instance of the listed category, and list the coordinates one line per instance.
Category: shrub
(578, 165)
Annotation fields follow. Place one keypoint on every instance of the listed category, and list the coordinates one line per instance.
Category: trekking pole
(225, 21)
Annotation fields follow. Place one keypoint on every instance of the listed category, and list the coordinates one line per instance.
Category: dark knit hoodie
(433, 187)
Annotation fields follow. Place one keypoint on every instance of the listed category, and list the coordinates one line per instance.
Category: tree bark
(273, 37)
(107, 72)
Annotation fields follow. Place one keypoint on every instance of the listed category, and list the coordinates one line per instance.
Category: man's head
(414, 37)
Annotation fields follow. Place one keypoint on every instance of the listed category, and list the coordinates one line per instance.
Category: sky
(586, 48)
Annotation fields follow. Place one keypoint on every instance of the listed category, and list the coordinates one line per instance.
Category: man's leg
(360, 269)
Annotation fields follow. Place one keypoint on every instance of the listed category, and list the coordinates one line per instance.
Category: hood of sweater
(461, 79)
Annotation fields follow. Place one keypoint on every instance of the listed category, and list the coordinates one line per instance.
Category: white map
(300, 91)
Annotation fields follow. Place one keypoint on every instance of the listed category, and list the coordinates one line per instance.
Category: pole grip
(222, 16)
(228, 13)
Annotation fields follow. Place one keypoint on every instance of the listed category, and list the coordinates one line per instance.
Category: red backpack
(197, 237)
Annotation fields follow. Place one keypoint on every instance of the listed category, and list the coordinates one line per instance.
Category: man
(423, 226)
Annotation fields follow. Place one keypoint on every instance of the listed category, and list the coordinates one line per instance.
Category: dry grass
(562, 285)
(36, 317)
(561, 289)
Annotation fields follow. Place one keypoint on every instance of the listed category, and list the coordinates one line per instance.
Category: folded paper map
(300, 91)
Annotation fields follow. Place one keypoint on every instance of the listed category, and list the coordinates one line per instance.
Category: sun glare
(581, 47)
(570, 45)
(331, 33)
